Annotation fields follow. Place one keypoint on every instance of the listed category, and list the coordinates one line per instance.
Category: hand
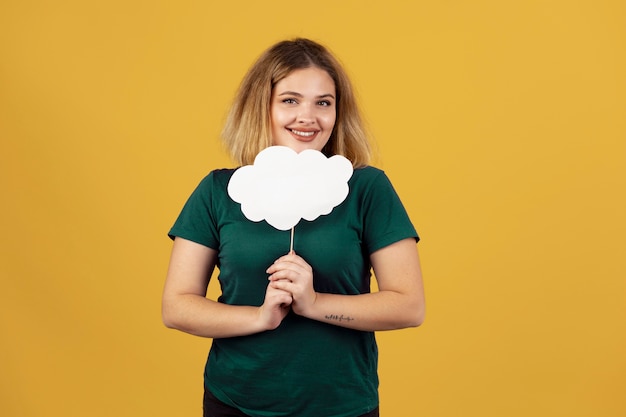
(293, 274)
(275, 307)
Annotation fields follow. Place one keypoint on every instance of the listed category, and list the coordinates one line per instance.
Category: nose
(306, 114)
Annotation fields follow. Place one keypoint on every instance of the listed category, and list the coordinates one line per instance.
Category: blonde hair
(247, 130)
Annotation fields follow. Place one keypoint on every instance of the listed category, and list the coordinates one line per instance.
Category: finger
(291, 257)
(286, 275)
(283, 285)
(282, 267)
(294, 264)
(284, 300)
(274, 291)
(280, 277)
(277, 296)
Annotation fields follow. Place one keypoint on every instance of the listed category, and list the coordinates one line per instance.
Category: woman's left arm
(399, 303)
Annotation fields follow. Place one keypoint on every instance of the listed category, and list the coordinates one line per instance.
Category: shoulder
(221, 174)
(217, 177)
(372, 185)
(213, 185)
(367, 173)
(368, 177)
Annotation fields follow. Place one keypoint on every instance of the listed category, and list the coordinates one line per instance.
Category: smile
(303, 134)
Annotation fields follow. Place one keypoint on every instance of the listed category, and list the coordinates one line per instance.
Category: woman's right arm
(186, 308)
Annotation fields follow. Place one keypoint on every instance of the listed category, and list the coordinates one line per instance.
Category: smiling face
(303, 110)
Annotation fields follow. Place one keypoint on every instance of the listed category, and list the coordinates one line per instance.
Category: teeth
(305, 134)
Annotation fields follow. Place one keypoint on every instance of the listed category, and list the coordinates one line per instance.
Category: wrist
(259, 322)
(310, 310)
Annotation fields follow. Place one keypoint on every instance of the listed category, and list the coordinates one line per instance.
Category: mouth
(303, 135)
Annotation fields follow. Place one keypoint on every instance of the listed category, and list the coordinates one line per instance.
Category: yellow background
(501, 123)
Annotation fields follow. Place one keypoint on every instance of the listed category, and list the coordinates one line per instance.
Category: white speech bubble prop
(283, 186)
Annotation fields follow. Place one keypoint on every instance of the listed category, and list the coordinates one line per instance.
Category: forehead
(312, 78)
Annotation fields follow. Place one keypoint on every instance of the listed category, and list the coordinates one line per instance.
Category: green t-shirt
(303, 368)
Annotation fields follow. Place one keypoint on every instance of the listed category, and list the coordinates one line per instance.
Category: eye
(289, 101)
(324, 103)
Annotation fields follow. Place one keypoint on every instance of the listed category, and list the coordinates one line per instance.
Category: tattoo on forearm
(339, 318)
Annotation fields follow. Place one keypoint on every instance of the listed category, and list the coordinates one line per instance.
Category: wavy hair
(247, 130)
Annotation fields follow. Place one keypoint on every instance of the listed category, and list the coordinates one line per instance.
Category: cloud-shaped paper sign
(283, 186)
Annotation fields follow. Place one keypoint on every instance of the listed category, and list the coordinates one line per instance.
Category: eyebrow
(293, 93)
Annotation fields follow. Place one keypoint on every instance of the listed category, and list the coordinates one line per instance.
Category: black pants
(215, 408)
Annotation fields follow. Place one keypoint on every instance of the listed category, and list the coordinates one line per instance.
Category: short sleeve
(385, 220)
(196, 221)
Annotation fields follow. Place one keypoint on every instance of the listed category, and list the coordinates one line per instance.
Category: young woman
(293, 334)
